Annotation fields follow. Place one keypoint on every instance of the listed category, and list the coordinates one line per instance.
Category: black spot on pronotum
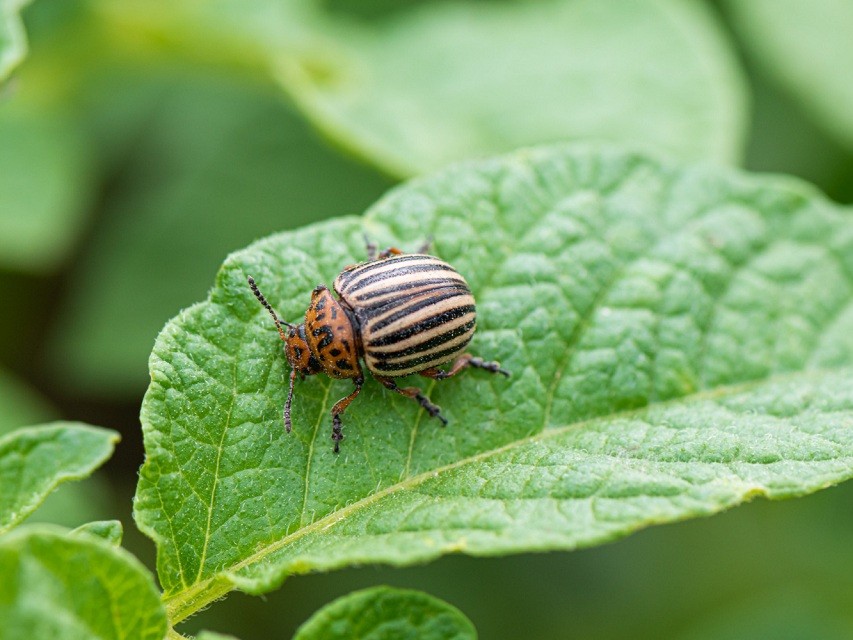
(326, 332)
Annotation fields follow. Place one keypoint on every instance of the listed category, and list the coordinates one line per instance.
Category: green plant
(681, 342)
(679, 332)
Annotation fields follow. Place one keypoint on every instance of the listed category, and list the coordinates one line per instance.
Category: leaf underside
(680, 341)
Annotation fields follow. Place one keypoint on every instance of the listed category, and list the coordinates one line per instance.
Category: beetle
(400, 313)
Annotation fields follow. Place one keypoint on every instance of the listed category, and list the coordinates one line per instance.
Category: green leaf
(70, 587)
(35, 460)
(385, 613)
(456, 80)
(109, 530)
(76, 503)
(210, 635)
(807, 47)
(446, 81)
(13, 40)
(680, 337)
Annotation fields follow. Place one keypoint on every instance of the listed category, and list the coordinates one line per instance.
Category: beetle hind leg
(417, 395)
(341, 406)
(463, 362)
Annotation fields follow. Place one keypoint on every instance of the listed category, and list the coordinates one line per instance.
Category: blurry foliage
(218, 163)
(13, 41)
(137, 149)
(805, 47)
(446, 81)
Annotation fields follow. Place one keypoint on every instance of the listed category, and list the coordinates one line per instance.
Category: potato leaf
(680, 337)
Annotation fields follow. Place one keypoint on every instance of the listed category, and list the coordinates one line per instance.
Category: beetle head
(295, 349)
(297, 352)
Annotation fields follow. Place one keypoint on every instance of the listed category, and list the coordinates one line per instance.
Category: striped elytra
(414, 312)
(401, 313)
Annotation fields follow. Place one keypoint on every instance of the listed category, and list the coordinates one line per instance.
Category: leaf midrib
(183, 604)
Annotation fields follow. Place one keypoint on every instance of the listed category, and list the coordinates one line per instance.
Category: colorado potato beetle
(400, 313)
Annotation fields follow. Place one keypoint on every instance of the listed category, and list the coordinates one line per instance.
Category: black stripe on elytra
(433, 342)
(368, 311)
(366, 267)
(411, 284)
(423, 325)
(326, 332)
(393, 273)
(446, 294)
(437, 357)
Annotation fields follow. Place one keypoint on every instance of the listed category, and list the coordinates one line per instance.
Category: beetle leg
(415, 394)
(463, 362)
(372, 255)
(371, 249)
(425, 247)
(387, 253)
(341, 406)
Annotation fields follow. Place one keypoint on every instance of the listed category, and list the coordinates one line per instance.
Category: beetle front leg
(339, 408)
(463, 362)
(415, 394)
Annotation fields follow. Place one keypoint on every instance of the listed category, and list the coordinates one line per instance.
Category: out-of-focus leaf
(808, 47)
(76, 503)
(451, 81)
(109, 530)
(784, 140)
(681, 340)
(219, 163)
(211, 635)
(35, 460)
(20, 405)
(446, 81)
(385, 613)
(44, 185)
(75, 588)
(13, 40)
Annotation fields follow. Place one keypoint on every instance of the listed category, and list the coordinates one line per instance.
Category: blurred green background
(143, 140)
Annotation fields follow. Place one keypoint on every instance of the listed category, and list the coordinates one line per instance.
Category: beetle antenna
(288, 424)
(268, 307)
